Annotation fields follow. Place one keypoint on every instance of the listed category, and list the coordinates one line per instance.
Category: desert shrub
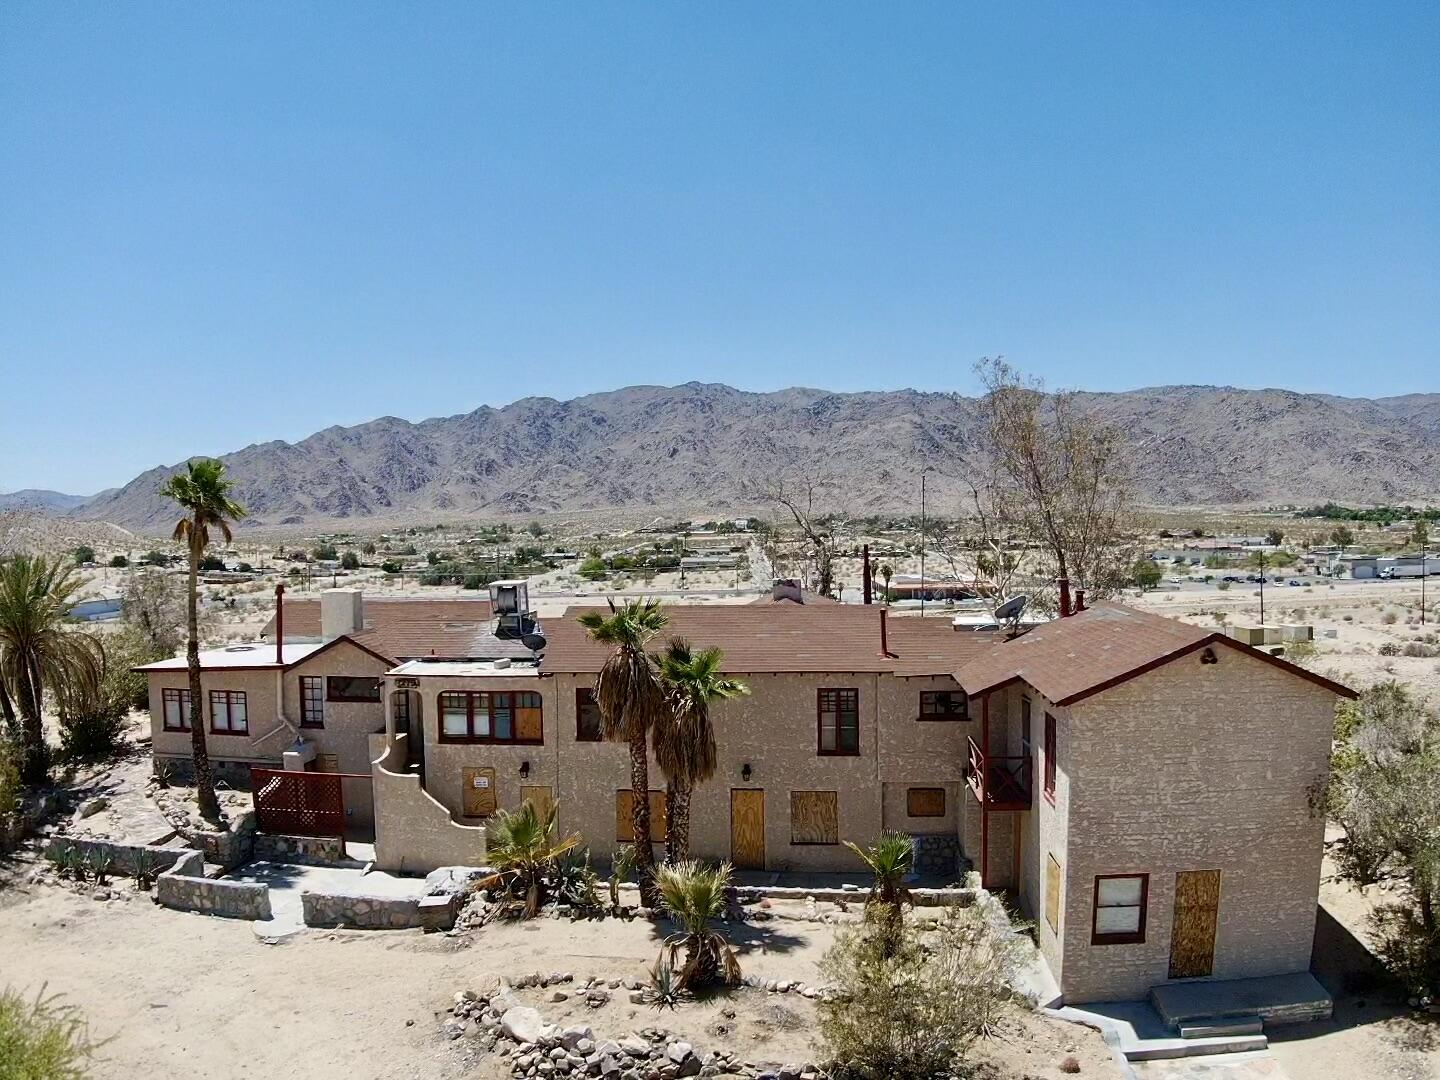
(392, 566)
(1389, 618)
(9, 775)
(1420, 648)
(1390, 648)
(92, 724)
(524, 849)
(42, 1039)
(119, 562)
(573, 881)
(1300, 651)
(474, 581)
(906, 1005)
(1223, 586)
(84, 554)
(694, 895)
(350, 561)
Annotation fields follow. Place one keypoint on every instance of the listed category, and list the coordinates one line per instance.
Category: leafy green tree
(1342, 537)
(368, 547)
(1147, 573)
(324, 553)
(212, 563)
(154, 558)
(40, 649)
(631, 700)
(1385, 792)
(1420, 534)
(392, 566)
(1275, 537)
(535, 529)
(119, 562)
(684, 741)
(592, 569)
(350, 561)
(432, 557)
(84, 554)
(203, 493)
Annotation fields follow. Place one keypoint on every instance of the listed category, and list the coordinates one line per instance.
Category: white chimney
(342, 611)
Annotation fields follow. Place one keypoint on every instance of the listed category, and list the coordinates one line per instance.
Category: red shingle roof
(1069, 659)
(408, 628)
(786, 638)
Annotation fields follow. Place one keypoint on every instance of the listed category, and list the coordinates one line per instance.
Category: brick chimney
(280, 622)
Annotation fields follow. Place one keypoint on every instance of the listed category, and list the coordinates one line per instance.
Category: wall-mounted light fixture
(746, 772)
(524, 770)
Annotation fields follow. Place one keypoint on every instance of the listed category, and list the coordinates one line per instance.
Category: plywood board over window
(625, 818)
(538, 796)
(925, 802)
(814, 817)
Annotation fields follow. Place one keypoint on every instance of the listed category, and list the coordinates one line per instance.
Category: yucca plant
(693, 895)
(99, 865)
(890, 859)
(622, 865)
(146, 869)
(523, 848)
(664, 991)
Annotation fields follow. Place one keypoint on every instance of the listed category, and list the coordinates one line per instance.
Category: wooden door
(479, 794)
(538, 796)
(1197, 908)
(747, 828)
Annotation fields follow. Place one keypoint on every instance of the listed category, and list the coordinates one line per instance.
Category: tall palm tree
(203, 492)
(39, 649)
(630, 699)
(684, 741)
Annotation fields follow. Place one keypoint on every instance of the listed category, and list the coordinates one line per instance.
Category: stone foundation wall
(182, 887)
(749, 894)
(937, 854)
(124, 858)
(361, 912)
(231, 848)
(307, 850)
(233, 774)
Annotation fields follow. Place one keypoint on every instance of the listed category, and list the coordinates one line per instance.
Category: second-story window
(838, 722)
(944, 705)
(486, 716)
(587, 716)
(312, 701)
(177, 709)
(227, 712)
(1050, 757)
(352, 688)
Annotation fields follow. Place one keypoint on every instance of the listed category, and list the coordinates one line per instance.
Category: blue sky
(222, 224)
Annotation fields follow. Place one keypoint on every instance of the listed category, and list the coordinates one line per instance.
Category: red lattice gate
(290, 803)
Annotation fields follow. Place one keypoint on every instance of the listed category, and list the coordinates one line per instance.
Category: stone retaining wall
(124, 858)
(18, 824)
(229, 849)
(307, 850)
(361, 912)
(749, 894)
(937, 854)
(184, 888)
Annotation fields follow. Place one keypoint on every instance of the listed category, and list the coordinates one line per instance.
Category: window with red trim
(1050, 757)
(838, 722)
(176, 707)
(491, 716)
(227, 713)
(1120, 902)
(944, 705)
(312, 701)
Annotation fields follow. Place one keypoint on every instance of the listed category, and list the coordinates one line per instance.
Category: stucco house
(1145, 789)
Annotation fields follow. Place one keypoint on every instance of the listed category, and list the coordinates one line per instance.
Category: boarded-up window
(538, 796)
(625, 820)
(814, 817)
(1052, 893)
(925, 802)
(327, 762)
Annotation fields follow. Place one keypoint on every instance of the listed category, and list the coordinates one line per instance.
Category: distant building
(96, 610)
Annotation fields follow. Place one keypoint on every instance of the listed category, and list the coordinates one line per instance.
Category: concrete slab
(1275, 999)
(287, 881)
(1250, 1066)
(1138, 1032)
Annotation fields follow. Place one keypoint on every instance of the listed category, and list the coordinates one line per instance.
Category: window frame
(471, 713)
(186, 709)
(1128, 937)
(305, 702)
(936, 716)
(230, 697)
(348, 699)
(1050, 771)
(838, 691)
(587, 694)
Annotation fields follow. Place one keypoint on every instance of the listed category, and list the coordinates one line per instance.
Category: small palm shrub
(891, 858)
(42, 1039)
(693, 895)
(523, 848)
(573, 881)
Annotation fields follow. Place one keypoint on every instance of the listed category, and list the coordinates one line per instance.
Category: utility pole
(922, 539)
(1423, 546)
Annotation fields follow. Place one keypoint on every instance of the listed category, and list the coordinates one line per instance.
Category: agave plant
(693, 895)
(523, 848)
(665, 991)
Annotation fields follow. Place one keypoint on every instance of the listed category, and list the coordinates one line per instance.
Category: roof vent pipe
(884, 639)
(280, 623)
(1079, 601)
(1065, 597)
(865, 578)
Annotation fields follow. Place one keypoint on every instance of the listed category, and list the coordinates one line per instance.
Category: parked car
(1254, 579)
(1295, 581)
(1231, 578)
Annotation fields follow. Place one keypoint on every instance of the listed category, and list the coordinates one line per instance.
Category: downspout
(984, 789)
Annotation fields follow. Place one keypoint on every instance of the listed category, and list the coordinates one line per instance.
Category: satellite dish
(1010, 610)
(533, 642)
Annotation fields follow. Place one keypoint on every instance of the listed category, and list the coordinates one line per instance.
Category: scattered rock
(522, 1024)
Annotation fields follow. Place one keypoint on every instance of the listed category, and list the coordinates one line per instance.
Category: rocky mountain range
(708, 447)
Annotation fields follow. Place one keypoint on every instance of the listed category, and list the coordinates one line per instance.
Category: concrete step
(1275, 999)
(1204, 1029)
(1162, 1049)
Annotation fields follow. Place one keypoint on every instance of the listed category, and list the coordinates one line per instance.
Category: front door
(747, 828)
(1197, 908)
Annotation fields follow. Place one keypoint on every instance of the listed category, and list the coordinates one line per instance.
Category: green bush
(592, 569)
(392, 566)
(350, 561)
(83, 554)
(42, 1039)
(119, 562)
(9, 775)
(212, 562)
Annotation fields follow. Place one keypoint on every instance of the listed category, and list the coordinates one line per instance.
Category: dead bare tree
(1060, 476)
(801, 494)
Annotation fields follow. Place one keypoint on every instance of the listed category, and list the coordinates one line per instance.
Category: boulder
(522, 1024)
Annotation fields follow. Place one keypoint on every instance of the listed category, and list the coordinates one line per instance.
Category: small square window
(944, 705)
(587, 716)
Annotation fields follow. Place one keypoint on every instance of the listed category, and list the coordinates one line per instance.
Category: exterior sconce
(746, 772)
(1208, 657)
(524, 770)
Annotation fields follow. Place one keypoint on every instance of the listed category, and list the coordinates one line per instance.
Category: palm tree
(693, 895)
(203, 492)
(887, 572)
(684, 741)
(39, 649)
(630, 699)
(521, 845)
